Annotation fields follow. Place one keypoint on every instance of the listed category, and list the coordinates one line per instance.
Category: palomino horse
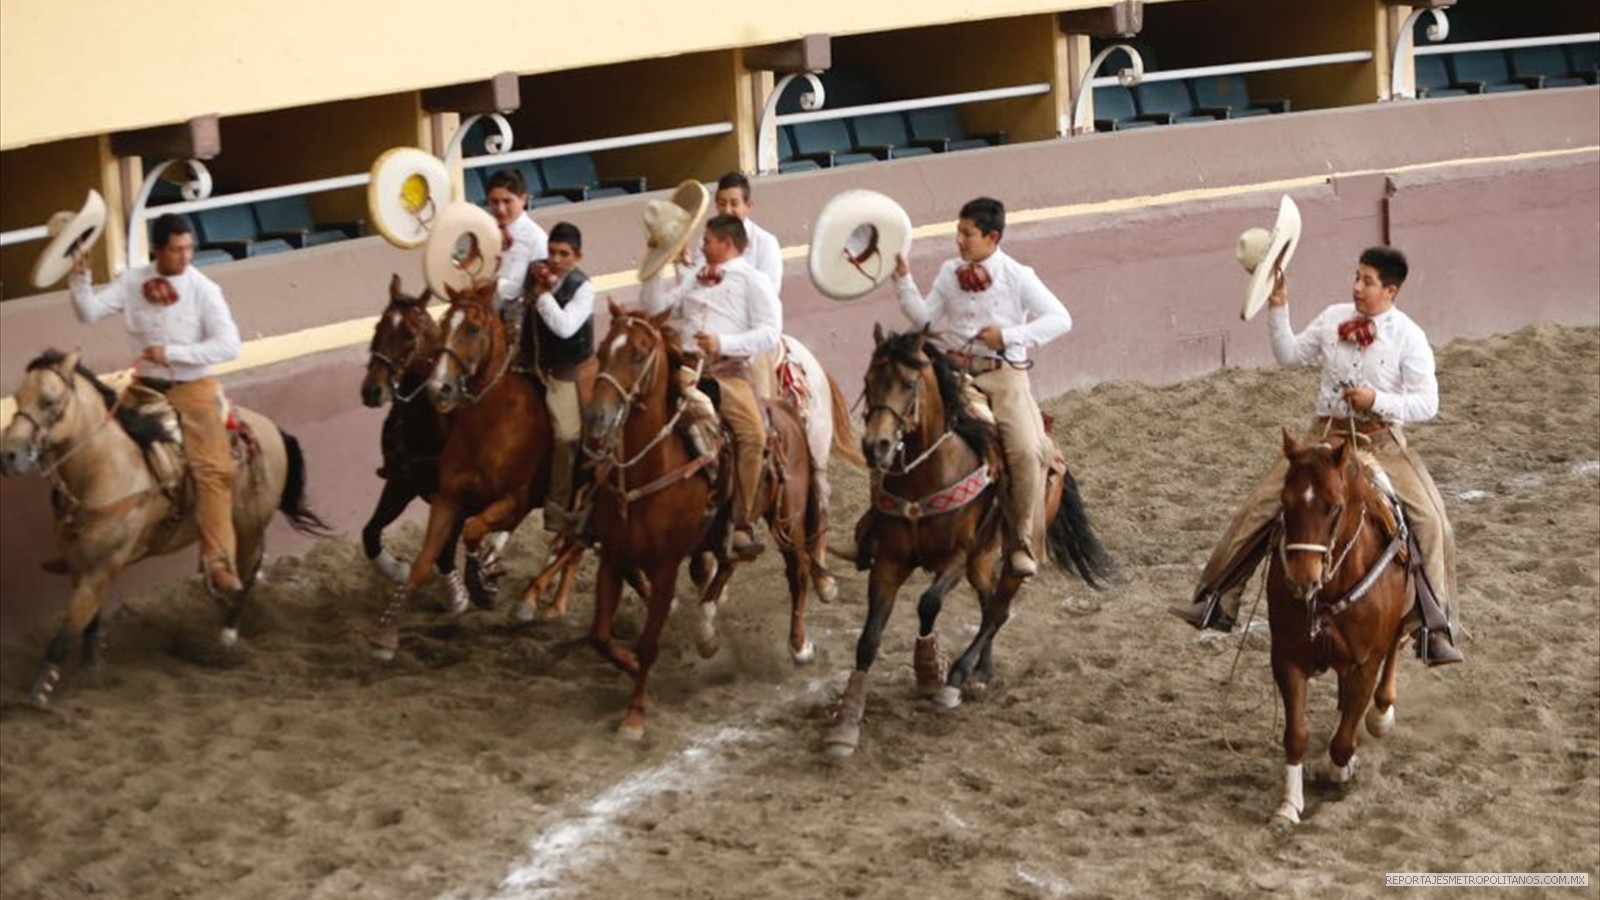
(1337, 596)
(935, 505)
(404, 348)
(112, 510)
(652, 507)
(496, 458)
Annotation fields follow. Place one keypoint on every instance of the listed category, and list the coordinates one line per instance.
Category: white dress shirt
(761, 251)
(564, 321)
(1397, 365)
(529, 242)
(742, 310)
(197, 331)
(1016, 301)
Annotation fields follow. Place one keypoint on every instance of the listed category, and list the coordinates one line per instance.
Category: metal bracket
(767, 126)
(1403, 71)
(1081, 123)
(197, 189)
(495, 143)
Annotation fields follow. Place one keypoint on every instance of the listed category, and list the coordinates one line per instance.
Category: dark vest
(541, 347)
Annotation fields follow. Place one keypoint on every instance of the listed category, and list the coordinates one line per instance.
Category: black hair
(567, 233)
(510, 179)
(1390, 263)
(735, 180)
(987, 213)
(730, 227)
(167, 225)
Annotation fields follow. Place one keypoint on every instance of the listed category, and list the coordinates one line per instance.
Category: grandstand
(1132, 140)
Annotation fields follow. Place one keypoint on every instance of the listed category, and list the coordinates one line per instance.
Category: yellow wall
(82, 67)
(39, 181)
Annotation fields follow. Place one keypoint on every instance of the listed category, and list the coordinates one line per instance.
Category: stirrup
(1437, 656)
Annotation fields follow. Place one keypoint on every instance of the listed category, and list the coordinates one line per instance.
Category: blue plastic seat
(1433, 79)
(1487, 68)
(1114, 111)
(1549, 63)
(290, 218)
(235, 229)
(1231, 94)
(575, 177)
(886, 132)
(205, 258)
(1583, 60)
(1171, 97)
(786, 159)
(943, 123)
(827, 142)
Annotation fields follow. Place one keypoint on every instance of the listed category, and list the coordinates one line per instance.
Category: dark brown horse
(935, 506)
(653, 507)
(496, 458)
(404, 348)
(1337, 597)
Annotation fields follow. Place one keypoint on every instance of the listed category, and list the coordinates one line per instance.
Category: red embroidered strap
(709, 276)
(160, 291)
(973, 277)
(1360, 331)
(944, 500)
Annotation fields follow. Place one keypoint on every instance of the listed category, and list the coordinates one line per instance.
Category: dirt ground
(1108, 760)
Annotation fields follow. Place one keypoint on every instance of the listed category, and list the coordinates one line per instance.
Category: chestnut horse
(496, 458)
(936, 505)
(653, 506)
(1337, 596)
(404, 348)
(119, 496)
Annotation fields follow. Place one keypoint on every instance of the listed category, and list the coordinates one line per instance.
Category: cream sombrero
(1275, 247)
(462, 250)
(71, 236)
(669, 225)
(408, 189)
(854, 243)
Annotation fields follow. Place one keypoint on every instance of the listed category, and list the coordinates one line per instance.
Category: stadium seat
(1487, 68)
(290, 218)
(472, 186)
(1172, 97)
(827, 142)
(203, 258)
(1584, 60)
(1231, 94)
(235, 229)
(1433, 79)
(575, 178)
(1549, 63)
(786, 159)
(884, 135)
(1114, 111)
(943, 123)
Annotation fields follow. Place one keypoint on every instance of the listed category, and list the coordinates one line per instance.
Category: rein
(468, 397)
(395, 370)
(1319, 617)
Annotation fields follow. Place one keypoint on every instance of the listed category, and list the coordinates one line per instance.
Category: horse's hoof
(393, 567)
(840, 751)
(522, 612)
(947, 697)
(460, 596)
(804, 655)
(842, 741)
(230, 636)
(1339, 774)
(383, 642)
(1379, 725)
(1286, 815)
(552, 613)
(827, 589)
(708, 646)
(633, 734)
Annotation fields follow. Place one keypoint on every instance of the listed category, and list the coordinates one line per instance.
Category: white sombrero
(71, 236)
(1277, 247)
(669, 225)
(463, 249)
(853, 246)
(408, 189)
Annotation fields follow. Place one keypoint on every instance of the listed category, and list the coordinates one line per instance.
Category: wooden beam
(198, 138)
(500, 94)
(812, 53)
(1124, 18)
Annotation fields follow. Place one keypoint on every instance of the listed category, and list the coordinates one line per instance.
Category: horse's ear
(394, 287)
(70, 364)
(611, 305)
(1341, 456)
(486, 290)
(877, 334)
(1290, 445)
(427, 294)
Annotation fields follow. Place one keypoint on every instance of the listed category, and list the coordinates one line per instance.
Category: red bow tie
(1360, 331)
(160, 292)
(710, 276)
(505, 239)
(973, 277)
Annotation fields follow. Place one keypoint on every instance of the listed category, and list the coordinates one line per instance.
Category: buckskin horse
(496, 457)
(935, 505)
(1337, 597)
(653, 506)
(119, 494)
(404, 349)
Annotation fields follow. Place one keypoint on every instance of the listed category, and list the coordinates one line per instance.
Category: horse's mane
(146, 430)
(903, 349)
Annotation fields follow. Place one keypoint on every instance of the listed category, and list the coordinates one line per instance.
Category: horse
(936, 504)
(119, 494)
(496, 458)
(1337, 597)
(404, 348)
(652, 506)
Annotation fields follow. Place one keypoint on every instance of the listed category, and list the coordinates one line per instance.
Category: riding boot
(1435, 637)
(1206, 611)
(558, 498)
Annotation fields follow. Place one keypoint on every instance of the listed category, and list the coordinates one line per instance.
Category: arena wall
(1496, 199)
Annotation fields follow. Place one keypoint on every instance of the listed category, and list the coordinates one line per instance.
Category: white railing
(1509, 43)
(23, 235)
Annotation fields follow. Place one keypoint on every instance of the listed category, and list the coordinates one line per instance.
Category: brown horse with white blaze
(1337, 597)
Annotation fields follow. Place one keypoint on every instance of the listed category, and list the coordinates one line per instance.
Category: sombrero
(670, 224)
(407, 190)
(463, 249)
(71, 236)
(854, 243)
(1277, 247)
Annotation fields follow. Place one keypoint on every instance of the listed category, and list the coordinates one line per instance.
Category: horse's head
(1318, 489)
(471, 341)
(633, 370)
(47, 414)
(898, 378)
(405, 336)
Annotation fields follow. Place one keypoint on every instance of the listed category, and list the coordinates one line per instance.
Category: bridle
(1332, 562)
(905, 418)
(36, 446)
(633, 397)
(464, 371)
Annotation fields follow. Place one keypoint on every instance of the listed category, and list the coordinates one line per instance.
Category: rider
(763, 253)
(558, 342)
(732, 314)
(998, 308)
(1377, 373)
(521, 241)
(180, 325)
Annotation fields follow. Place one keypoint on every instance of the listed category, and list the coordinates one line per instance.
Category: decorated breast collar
(945, 500)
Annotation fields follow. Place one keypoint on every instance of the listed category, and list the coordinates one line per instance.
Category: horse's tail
(293, 502)
(843, 447)
(1071, 539)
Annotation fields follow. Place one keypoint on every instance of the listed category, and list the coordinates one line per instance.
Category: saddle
(165, 459)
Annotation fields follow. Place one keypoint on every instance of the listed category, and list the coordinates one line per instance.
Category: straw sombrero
(462, 250)
(669, 225)
(1277, 246)
(407, 190)
(71, 236)
(857, 235)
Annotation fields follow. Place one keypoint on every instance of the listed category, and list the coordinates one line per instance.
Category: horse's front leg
(1355, 694)
(1380, 718)
(707, 640)
(663, 582)
(88, 595)
(607, 597)
(391, 503)
(384, 638)
(888, 574)
(564, 559)
(928, 660)
(994, 601)
(502, 515)
(822, 580)
(795, 560)
(1291, 681)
